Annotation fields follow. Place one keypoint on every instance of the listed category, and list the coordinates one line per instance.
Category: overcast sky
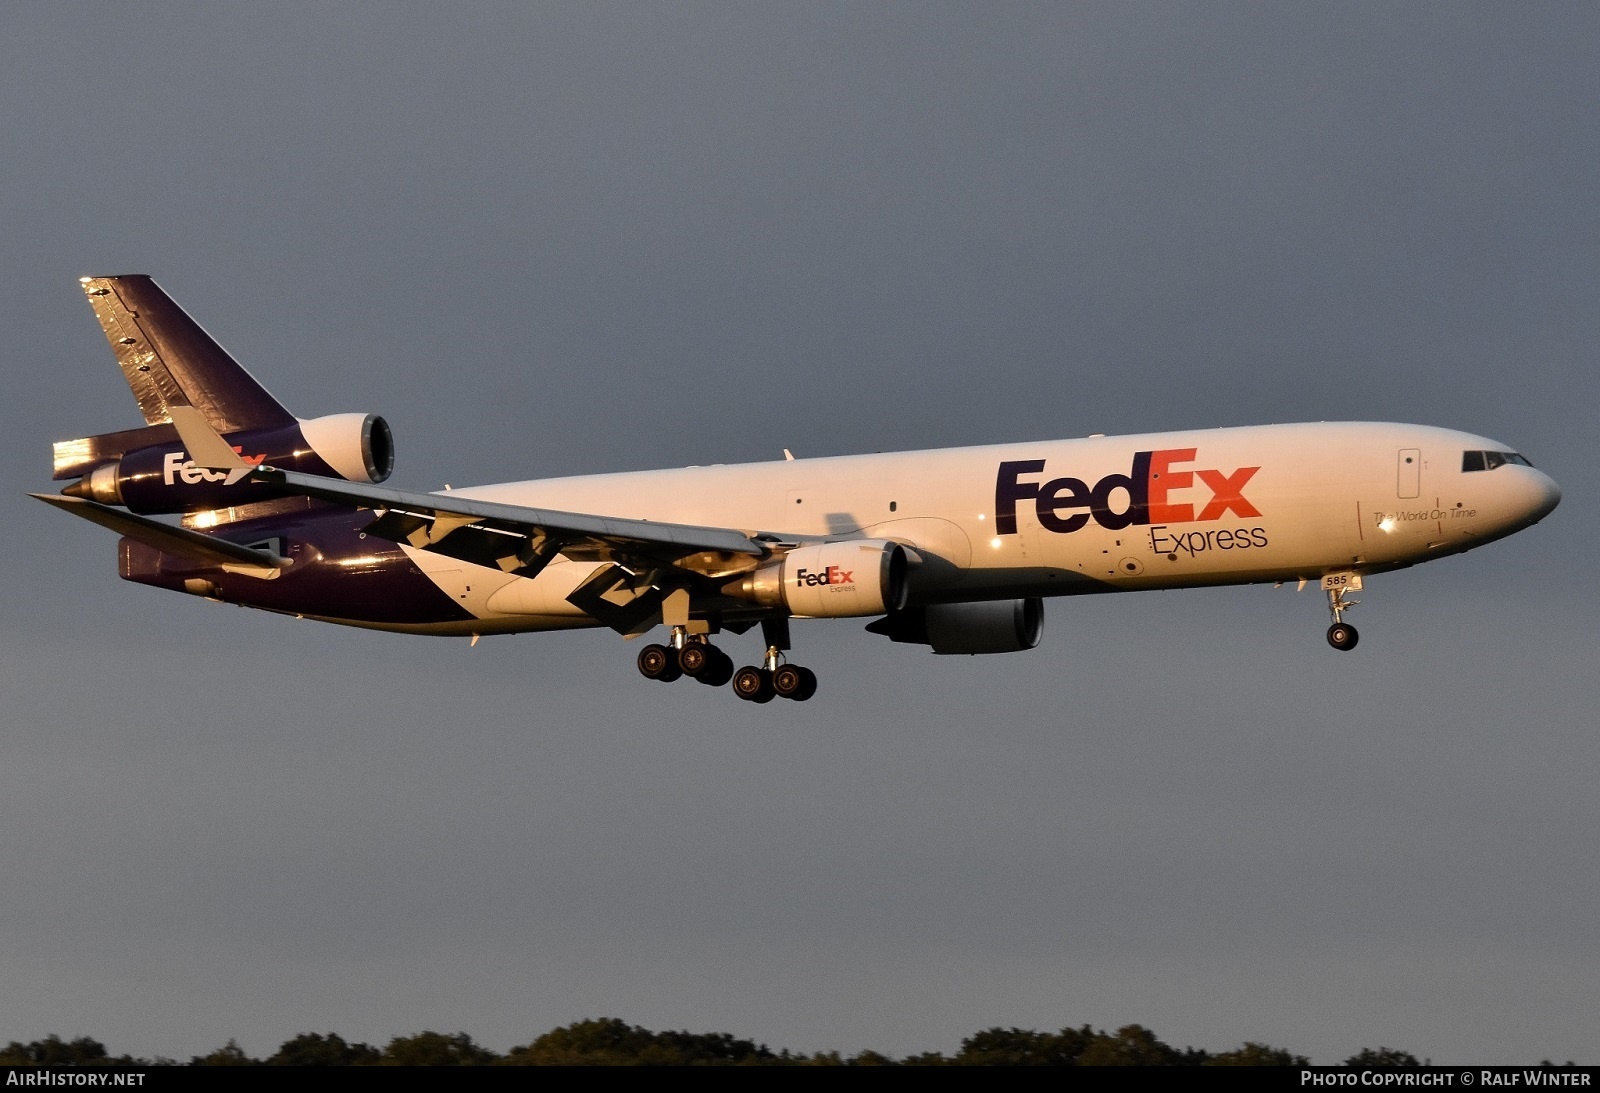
(547, 240)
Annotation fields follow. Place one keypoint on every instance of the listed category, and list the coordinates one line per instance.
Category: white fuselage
(1063, 517)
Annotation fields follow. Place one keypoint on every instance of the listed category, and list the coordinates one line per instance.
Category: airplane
(951, 549)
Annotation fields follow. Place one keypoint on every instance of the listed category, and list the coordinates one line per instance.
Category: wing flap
(626, 602)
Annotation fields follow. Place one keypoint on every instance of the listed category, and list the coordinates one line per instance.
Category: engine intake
(359, 447)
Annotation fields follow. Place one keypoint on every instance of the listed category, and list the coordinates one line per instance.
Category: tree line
(613, 1042)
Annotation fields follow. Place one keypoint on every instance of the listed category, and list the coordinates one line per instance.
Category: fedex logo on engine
(1154, 491)
(832, 575)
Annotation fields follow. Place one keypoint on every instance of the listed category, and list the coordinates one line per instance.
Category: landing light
(995, 543)
(1386, 524)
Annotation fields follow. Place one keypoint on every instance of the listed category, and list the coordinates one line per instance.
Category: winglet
(206, 446)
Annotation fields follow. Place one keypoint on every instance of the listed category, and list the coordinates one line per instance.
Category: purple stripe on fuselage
(338, 574)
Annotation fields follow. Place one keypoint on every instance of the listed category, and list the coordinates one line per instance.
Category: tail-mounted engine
(160, 477)
(831, 580)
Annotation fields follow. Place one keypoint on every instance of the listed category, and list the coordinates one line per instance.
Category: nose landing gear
(1341, 635)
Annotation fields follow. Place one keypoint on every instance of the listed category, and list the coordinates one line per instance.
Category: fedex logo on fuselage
(1154, 491)
(832, 575)
(177, 465)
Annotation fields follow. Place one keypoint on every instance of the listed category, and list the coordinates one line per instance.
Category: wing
(649, 561)
(521, 540)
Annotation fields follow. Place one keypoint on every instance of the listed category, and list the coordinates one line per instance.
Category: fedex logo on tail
(1154, 491)
(177, 465)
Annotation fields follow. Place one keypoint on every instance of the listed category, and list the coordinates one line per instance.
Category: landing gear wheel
(809, 687)
(1343, 636)
(753, 684)
(694, 659)
(718, 669)
(794, 682)
(659, 662)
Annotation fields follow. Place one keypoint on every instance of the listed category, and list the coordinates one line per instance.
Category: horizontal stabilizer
(169, 360)
(169, 539)
(75, 458)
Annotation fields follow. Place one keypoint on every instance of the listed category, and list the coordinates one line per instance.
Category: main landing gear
(1341, 635)
(699, 660)
(694, 656)
(774, 680)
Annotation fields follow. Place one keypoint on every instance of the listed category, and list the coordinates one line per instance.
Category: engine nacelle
(359, 447)
(993, 626)
(831, 580)
(162, 478)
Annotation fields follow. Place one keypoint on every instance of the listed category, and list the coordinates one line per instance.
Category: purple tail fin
(168, 360)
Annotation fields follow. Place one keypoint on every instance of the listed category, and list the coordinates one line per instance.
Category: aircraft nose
(1545, 495)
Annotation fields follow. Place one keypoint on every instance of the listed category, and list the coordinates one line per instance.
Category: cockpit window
(1488, 461)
